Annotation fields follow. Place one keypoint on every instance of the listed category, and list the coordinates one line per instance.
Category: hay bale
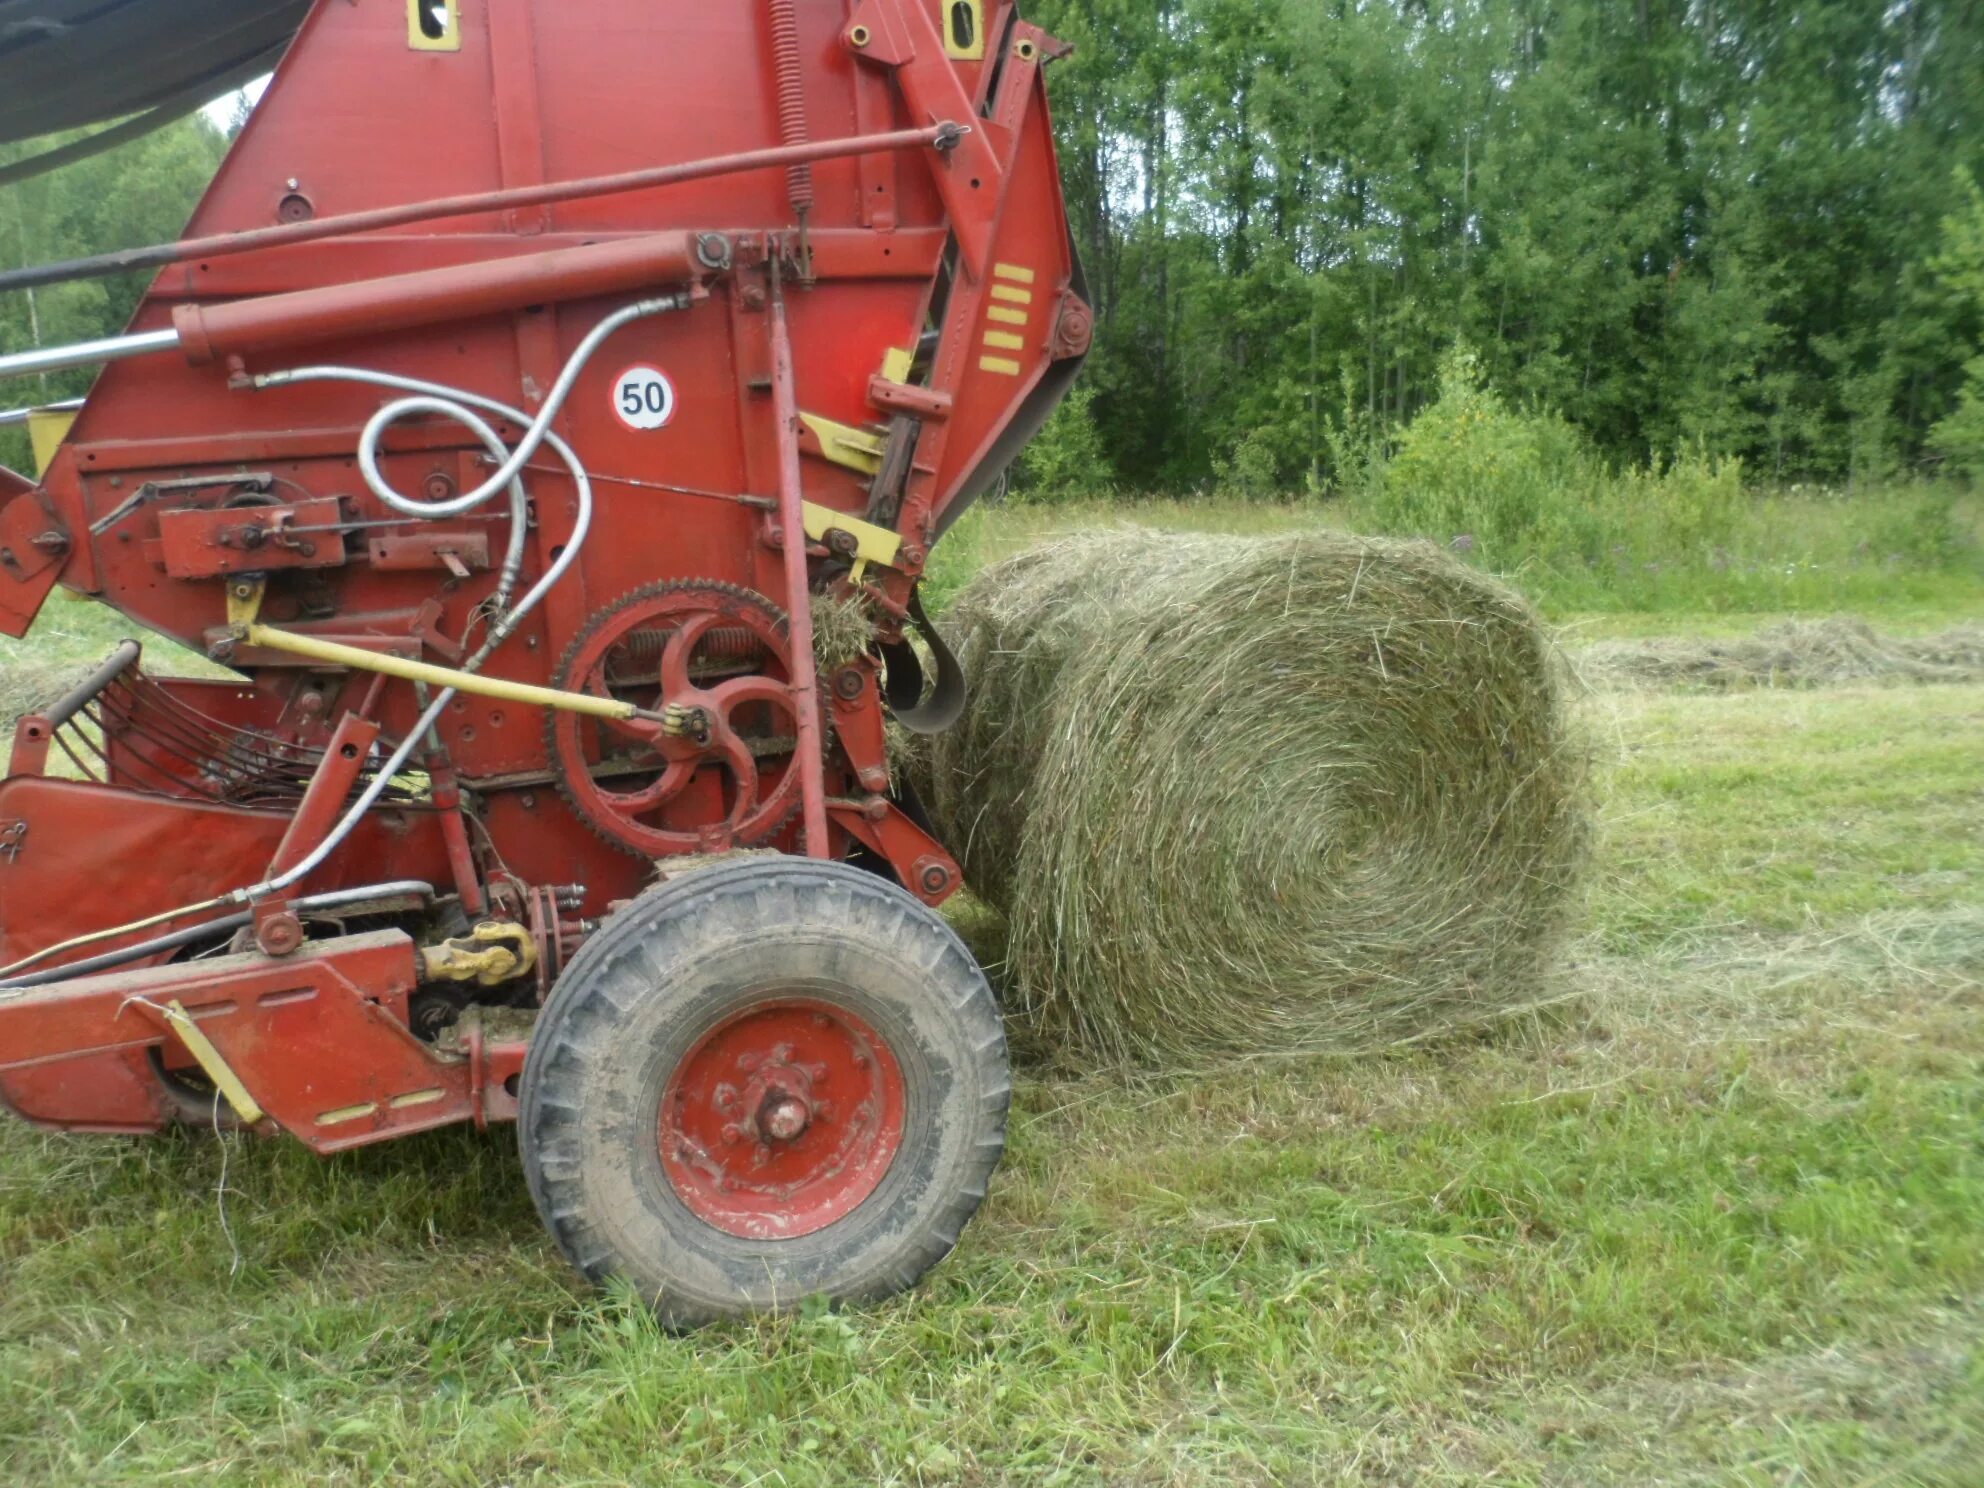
(1797, 653)
(1242, 795)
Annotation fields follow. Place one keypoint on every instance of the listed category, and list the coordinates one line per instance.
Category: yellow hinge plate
(872, 544)
(857, 449)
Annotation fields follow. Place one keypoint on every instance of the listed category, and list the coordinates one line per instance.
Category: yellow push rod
(333, 654)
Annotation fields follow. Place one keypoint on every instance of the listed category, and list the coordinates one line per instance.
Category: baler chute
(504, 467)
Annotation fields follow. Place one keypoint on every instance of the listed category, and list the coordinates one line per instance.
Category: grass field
(1716, 1218)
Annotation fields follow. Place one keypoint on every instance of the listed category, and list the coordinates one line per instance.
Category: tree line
(1740, 226)
(1713, 224)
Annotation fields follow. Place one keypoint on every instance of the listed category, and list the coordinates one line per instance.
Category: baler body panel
(918, 309)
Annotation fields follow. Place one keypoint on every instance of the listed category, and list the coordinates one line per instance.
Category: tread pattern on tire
(580, 1033)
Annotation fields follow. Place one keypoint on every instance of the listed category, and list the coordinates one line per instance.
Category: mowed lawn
(1718, 1217)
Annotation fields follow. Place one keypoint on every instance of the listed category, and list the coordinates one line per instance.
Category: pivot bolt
(279, 935)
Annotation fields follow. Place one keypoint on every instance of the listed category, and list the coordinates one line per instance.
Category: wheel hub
(782, 1119)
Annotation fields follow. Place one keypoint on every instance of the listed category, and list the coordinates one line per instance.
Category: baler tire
(633, 1026)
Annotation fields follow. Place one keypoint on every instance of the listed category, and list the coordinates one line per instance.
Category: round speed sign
(643, 398)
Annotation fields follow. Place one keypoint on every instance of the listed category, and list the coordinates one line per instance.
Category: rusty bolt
(934, 876)
(438, 487)
(848, 683)
(754, 297)
(279, 935)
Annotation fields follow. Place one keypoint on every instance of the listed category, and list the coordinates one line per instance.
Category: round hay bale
(1241, 795)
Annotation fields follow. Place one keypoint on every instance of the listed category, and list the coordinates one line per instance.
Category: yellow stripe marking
(1003, 365)
(347, 1113)
(1012, 296)
(1013, 272)
(1005, 341)
(208, 1057)
(416, 1098)
(1006, 317)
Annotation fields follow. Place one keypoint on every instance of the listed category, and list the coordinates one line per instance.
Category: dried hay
(1241, 795)
(843, 630)
(1797, 653)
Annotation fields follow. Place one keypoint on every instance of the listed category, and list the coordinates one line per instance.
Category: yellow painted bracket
(47, 428)
(857, 449)
(872, 544)
(226, 1081)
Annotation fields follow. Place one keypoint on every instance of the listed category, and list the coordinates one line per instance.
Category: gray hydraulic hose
(457, 403)
(176, 938)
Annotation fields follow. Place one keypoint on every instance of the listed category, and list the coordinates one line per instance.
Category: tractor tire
(773, 1079)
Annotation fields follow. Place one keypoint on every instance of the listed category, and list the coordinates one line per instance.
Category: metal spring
(729, 643)
(791, 102)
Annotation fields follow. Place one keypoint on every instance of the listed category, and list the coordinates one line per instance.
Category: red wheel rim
(782, 1119)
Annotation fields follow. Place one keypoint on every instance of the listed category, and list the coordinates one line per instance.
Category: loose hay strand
(1238, 795)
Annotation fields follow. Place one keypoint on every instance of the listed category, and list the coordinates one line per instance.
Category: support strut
(798, 591)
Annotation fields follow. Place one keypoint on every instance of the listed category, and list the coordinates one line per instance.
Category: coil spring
(791, 101)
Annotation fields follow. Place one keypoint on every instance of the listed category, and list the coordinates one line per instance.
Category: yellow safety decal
(1014, 272)
(1005, 341)
(347, 1113)
(208, 1058)
(1012, 296)
(1006, 317)
(1005, 366)
(896, 364)
(46, 431)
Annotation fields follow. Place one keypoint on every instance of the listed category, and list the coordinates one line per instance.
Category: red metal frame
(473, 216)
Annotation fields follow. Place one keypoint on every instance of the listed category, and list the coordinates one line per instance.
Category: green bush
(1521, 493)
(1471, 470)
(1066, 460)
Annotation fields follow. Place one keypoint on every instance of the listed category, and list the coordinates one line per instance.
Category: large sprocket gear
(715, 660)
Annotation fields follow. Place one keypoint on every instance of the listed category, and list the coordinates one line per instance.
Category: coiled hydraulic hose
(461, 406)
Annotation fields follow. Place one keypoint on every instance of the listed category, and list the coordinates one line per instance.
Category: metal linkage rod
(9, 417)
(938, 136)
(86, 353)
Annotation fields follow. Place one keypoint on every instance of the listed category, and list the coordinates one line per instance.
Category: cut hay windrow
(1835, 652)
(1238, 795)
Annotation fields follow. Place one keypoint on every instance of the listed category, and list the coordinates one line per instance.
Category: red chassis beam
(319, 1038)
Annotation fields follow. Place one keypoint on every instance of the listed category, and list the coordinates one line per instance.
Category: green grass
(1912, 557)
(1714, 1219)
